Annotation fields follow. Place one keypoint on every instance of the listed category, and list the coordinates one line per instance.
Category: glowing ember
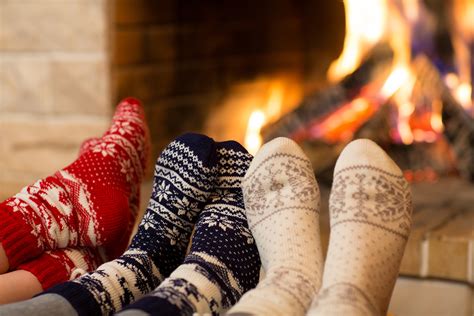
(341, 125)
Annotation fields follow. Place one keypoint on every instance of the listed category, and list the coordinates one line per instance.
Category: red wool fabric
(57, 266)
(93, 202)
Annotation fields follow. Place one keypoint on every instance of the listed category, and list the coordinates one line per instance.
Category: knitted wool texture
(91, 203)
(223, 262)
(184, 178)
(370, 215)
(57, 266)
(282, 205)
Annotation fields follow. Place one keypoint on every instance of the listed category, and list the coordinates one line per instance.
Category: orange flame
(270, 112)
(360, 35)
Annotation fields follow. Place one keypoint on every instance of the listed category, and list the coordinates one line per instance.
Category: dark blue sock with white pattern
(223, 262)
(184, 178)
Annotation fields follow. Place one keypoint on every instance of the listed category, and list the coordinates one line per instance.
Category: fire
(360, 35)
(253, 140)
(394, 81)
(279, 92)
(341, 124)
(394, 23)
(416, 113)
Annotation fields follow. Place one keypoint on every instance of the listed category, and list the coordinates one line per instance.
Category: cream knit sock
(282, 205)
(370, 215)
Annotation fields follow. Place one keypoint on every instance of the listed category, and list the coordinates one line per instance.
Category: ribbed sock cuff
(48, 270)
(16, 238)
(80, 298)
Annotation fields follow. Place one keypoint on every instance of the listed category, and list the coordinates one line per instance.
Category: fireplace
(321, 72)
(206, 65)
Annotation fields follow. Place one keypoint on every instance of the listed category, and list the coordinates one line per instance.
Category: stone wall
(54, 84)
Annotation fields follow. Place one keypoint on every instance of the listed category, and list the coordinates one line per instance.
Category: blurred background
(321, 72)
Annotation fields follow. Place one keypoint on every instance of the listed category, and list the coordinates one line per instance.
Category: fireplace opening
(323, 73)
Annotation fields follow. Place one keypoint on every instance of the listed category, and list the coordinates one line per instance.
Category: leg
(3, 260)
(223, 262)
(17, 286)
(370, 216)
(49, 269)
(282, 204)
(89, 203)
(184, 177)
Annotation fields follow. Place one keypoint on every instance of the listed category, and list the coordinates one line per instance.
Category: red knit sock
(57, 266)
(92, 202)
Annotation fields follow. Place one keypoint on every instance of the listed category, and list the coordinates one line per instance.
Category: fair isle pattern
(163, 234)
(370, 215)
(366, 194)
(282, 206)
(119, 282)
(90, 203)
(223, 262)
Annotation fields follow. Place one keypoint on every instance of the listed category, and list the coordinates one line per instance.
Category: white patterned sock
(370, 215)
(282, 204)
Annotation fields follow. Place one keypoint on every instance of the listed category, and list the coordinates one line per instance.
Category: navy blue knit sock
(223, 262)
(184, 178)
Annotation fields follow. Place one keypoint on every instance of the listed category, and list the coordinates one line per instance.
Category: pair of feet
(197, 186)
(72, 221)
(370, 218)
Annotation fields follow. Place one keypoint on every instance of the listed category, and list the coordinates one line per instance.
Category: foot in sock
(184, 178)
(223, 262)
(282, 205)
(370, 216)
(87, 203)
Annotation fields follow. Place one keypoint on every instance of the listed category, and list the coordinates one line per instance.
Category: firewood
(326, 101)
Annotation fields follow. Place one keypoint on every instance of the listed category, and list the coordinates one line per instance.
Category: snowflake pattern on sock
(223, 262)
(370, 216)
(90, 203)
(184, 178)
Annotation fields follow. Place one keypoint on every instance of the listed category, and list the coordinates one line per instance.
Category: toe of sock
(366, 152)
(202, 146)
(278, 147)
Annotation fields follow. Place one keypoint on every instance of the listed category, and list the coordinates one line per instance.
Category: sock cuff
(47, 269)
(62, 265)
(78, 296)
(15, 235)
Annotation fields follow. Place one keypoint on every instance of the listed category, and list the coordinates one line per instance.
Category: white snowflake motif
(221, 221)
(149, 221)
(175, 237)
(126, 169)
(162, 191)
(17, 205)
(105, 149)
(122, 127)
(185, 207)
(223, 195)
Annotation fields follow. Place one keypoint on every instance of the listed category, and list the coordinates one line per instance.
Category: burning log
(458, 125)
(459, 130)
(324, 102)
